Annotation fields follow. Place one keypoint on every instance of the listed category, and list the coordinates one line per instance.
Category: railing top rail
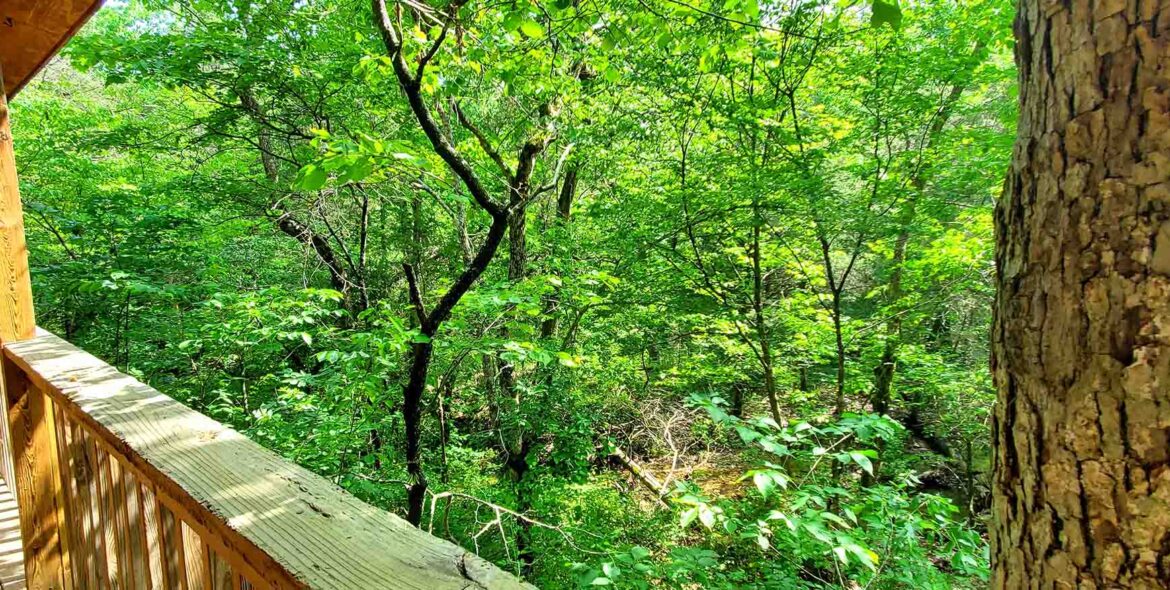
(289, 526)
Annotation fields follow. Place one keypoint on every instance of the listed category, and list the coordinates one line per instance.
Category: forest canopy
(628, 293)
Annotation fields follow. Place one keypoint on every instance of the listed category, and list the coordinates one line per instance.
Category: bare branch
(483, 142)
(420, 309)
(556, 172)
(430, 54)
(521, 192)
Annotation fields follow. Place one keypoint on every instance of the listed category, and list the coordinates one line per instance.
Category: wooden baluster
(118, 501)
(172, 547)
(37, 478)
(151, 521)
(71, 538)
(88, 533)
(221, 572)
(103, 558)
(194, 556)
(135, 528)
(114, 574)
(208, 582)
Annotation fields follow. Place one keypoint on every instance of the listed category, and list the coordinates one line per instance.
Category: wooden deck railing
(119, 486)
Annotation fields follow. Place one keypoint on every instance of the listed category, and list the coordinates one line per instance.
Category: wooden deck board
(11, 553)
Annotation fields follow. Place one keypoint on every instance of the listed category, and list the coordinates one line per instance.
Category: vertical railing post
(16, 305)
(28, 458)
(38, 494)
(17, 321)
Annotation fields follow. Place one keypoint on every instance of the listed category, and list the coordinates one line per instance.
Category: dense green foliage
(737, 340)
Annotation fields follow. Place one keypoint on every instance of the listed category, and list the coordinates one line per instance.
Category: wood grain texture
(89, 493)
(31, 417)
(16, 308)
(195, 559)
(108, 523)
(66, 508)
(172, 547)
(154, 540)
(85, 545)
(92, 499)
(275, 522)
(32, 31)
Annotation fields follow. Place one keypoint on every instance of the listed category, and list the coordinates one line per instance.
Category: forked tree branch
(430, 54)
(420, 308)
(392, 39)
(509, 176)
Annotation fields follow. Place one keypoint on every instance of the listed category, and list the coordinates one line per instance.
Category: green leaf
(886, 12)
(747, 434)
(862, 460)
(841, 555)
(764, 483)
(609, 41)
(513, 20)
(834, 518)
(763, 541)
(865, 556)
(532, 28)
(312, 178)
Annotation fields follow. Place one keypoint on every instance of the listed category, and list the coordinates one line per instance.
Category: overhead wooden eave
(32, 31)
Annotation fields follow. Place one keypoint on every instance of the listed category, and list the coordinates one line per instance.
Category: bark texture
(1081, 339)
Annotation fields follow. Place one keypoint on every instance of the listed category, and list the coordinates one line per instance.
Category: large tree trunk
(1081, 362)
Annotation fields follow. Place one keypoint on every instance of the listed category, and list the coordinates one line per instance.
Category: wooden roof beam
(33, 31)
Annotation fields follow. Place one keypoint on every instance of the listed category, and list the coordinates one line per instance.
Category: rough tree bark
(1081, 337)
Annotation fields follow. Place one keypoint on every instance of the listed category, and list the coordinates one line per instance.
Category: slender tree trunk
(835, 311)
(548, 328)
(289, 224)
(836, 285)
(513, 436)
(503, 215)
(761, 320)
(412, 392)
(1081, 337)
(839, 397)
(420, 360)
(884, 371)
(417, 235)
